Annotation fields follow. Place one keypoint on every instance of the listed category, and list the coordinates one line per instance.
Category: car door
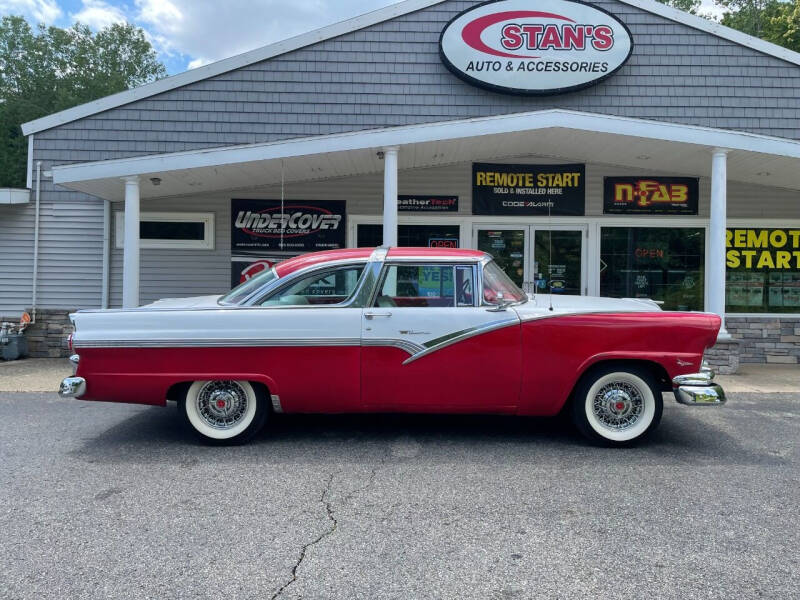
(311, 344)
(429, 346)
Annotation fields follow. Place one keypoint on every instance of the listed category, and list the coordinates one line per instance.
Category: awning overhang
(566, 135)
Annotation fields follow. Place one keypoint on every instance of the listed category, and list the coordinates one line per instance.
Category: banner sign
(259, 226)
(528, 189)
(427, 203)
(536, 48)
(651, 195)
(763, 249)
(244, 268)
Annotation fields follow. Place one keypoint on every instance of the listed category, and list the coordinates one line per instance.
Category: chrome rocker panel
(698, 389)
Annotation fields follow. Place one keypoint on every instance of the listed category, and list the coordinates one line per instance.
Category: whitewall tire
(617, 405)
(223, 412)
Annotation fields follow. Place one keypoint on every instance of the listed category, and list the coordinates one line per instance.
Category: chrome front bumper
(72, 387)
(698, 389)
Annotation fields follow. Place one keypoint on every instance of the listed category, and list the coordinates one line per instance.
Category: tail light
(69, 343)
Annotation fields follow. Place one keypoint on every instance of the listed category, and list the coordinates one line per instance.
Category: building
(618, 148)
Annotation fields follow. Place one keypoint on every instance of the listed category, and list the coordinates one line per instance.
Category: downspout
(106, 253)
(34, 290)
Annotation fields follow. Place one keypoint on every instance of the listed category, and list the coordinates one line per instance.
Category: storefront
(619, 148)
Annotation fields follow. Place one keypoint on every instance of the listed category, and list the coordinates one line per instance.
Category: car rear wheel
(617, 405)
(223, 412)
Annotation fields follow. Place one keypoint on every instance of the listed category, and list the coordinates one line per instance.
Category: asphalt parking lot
(108, 501)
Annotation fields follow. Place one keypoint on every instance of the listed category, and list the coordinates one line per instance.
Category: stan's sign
(562, 45)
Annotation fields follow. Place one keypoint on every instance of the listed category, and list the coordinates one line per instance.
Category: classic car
(395, 330)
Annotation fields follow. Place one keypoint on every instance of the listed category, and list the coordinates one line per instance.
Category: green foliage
(777, 21)
(52, 69)
(689, 6)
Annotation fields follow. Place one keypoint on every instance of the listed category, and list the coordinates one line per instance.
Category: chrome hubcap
(222, 404)
(618, 405)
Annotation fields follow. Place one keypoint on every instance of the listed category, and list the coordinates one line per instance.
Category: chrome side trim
(406, 345)
(216, 343)
(555, 314)
(276, 403)
(455, 337)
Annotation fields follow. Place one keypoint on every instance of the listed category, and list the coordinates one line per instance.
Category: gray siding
(385, 75)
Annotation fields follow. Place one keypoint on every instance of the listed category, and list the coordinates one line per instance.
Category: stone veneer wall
(766, 340)
(47, 338)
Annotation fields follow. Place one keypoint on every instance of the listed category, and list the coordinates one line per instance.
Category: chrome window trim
(309, 272)
(485, 261)
(389, 263)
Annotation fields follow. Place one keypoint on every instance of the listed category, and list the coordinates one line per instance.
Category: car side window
(318, 289)
(426, 286)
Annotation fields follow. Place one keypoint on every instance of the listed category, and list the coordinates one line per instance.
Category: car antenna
(549, 273)
(283, 211)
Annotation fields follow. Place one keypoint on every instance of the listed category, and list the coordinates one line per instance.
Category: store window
(763, 270)
(164, 230)
(427, 236)
(665, 264)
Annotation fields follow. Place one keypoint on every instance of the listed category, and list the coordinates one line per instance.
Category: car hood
(194, 302)
(582, 304)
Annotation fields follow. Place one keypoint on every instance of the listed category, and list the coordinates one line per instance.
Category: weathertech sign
(563, 45)
(259, 225)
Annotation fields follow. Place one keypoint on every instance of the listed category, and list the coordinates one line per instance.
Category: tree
(689, 6)
(776, 21)
(52, 69)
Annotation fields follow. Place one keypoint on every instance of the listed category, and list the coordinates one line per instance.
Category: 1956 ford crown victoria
(395, 330)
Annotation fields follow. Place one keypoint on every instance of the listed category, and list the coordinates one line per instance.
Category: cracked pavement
(111, 501)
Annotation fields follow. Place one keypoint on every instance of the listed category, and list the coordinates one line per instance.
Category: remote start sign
(546, 47)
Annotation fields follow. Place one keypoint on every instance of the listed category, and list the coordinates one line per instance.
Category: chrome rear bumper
(72, 387)
(698, 389)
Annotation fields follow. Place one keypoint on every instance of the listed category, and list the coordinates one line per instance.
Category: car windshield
(498, 287)
(242, 291)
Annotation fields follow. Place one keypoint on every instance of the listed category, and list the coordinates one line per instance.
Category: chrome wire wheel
(619, 406)
(221, 410)
(222, 404)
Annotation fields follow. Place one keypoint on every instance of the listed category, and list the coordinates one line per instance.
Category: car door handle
(372, 315)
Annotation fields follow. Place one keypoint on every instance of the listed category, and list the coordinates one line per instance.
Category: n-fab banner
(528, 189)
(651, 195)
(427, 203)
(259, 226)
(774, 249)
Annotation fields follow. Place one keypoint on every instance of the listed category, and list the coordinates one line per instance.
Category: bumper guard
(72, 387)
(698, 389)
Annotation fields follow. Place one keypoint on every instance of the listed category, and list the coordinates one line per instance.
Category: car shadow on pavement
(681, 439)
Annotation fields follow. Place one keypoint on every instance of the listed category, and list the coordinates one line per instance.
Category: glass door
(539, 259)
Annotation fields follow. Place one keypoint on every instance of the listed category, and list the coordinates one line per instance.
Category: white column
(717, 251)
(130, 256)
(390, 197)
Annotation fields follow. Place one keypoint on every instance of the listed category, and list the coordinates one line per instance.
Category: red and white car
(395, 330)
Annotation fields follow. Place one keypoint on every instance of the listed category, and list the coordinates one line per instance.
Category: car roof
(303, 261)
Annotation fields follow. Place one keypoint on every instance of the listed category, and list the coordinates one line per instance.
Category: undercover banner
(259, 226)
(499, 189)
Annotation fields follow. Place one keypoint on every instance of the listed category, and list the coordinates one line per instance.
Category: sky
(190, 33)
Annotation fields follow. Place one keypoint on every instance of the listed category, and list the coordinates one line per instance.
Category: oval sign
(537, 48)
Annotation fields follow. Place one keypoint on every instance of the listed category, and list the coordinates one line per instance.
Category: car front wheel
(617, 405)
(223, 412)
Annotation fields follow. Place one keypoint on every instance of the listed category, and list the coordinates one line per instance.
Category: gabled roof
(361, 22)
